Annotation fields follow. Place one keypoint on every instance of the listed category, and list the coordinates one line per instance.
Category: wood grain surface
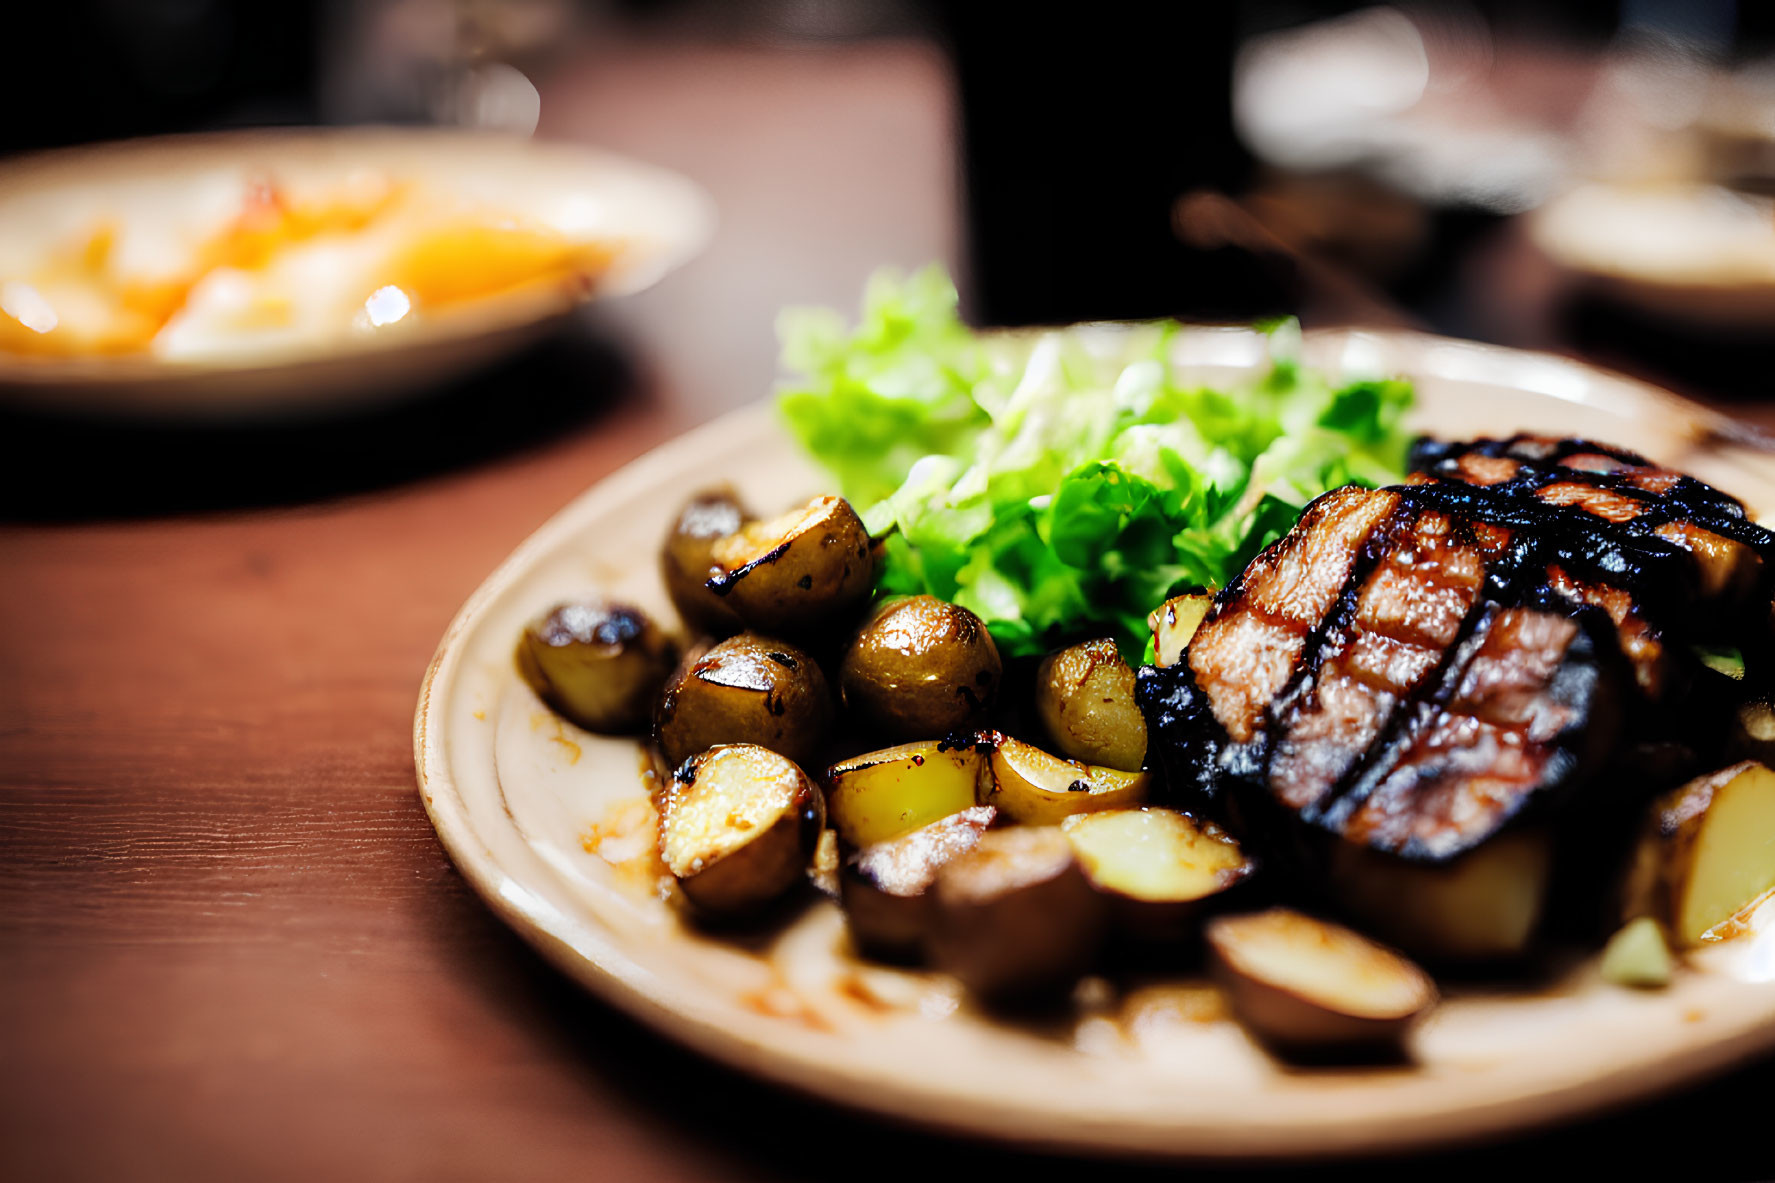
(230, 944)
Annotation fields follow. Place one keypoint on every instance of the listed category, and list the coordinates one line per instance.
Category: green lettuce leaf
(1063, 483)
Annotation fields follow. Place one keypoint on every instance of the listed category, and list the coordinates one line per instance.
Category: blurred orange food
(285, 272)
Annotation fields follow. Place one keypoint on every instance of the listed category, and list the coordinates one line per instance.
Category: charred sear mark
(1417, 668)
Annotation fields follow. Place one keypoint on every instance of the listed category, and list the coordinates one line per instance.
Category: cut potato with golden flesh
(1084, 695)
(877, 797)
(1034, 788)
(797, 572)
(741, 824)
(1174, 625)
(920, 666)
(1486, 905)
(687, 559)
(1015, 916)
(600, 665)
(1307, 987)
(885, 889)
(1710, 852)
(747, 689)
(1158, 866)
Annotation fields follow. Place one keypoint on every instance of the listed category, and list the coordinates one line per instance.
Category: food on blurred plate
(281, 268)
(1439, 706)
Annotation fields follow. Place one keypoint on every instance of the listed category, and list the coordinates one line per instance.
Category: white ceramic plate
(550, 825)
(180, 189)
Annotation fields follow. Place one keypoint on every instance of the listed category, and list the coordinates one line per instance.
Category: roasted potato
(687, 559)
(1084, 695)
(739, 828)
(799, 572)
(920, 666)
(1308, 988)
(1707, 855)
(885, 888)
(877, 797)
(599, 664)
(1015, 916)
(747, 689)
(1034, 788)
(1174, 624)
(1159, 868)
(1485, 905)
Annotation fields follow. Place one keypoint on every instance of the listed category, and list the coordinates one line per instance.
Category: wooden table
(230, 944)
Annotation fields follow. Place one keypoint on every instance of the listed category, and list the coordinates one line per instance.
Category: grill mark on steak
(1413, 668)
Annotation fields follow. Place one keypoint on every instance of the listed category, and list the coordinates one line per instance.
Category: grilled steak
(1413, 670)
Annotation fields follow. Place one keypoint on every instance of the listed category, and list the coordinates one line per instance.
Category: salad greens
(1062, 483)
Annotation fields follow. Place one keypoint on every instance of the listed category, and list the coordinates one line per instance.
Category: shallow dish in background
(1695, 253)
(550, 826)
(178, 189)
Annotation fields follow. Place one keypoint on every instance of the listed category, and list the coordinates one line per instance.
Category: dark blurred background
(1336, 161)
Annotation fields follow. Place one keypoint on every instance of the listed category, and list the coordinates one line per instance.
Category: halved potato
(687, 559)
(740, 825)
(1158, 867)
(1174, 625)
(1015, 916)
(921, 666)
(885, 888)
(1708, 853)
(797, 572)
(747, 689)
(599, 664)
(879, 796)
(1307, 987)
(1486, 905)
(1034, 788)
(1085, 697)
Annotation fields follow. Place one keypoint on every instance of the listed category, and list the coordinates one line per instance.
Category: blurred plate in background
(279, 271)
(1701, 254)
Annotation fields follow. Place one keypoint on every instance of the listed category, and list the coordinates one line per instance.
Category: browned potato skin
(776, 859)
(921, 667)
(598, 664)
(1149, 920)
(885, 889)
(1015, 917)
(1084, 695)
(1304, 1028)
(819, 574)
(747, 689)
(687, 559)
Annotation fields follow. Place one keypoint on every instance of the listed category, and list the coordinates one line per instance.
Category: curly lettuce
(1063, 483)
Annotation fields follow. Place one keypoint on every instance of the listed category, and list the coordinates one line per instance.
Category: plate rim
(620, 982)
